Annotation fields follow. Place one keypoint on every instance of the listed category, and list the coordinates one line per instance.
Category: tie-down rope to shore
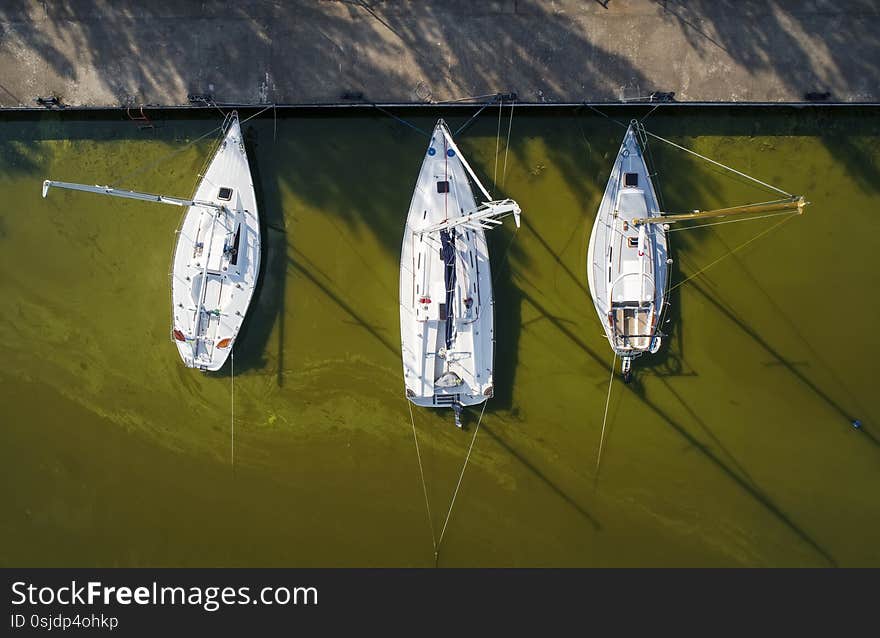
(232, 407)
(422, 477)
(461, 476)
(434, 540)
(605, 417)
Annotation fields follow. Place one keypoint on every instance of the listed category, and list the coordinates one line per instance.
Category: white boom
(116, 192)
(485, 216)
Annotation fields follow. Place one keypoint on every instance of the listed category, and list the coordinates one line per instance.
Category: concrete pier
(124, 52)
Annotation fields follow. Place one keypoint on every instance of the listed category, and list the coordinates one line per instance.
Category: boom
(116, 192)
(485, 216)
(796, 202)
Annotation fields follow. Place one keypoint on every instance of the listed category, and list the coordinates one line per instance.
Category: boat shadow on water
(268, 306)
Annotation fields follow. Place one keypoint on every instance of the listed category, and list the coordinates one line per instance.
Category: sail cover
(447, 251)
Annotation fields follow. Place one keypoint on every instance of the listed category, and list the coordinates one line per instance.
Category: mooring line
(497, 141)
(657, 106)
(466, 99)
(724, 166)
(422, 477)
(729, 253)
(618, 122)
(474, 116)
(164, 158)
(401, 120)
(260, 112)
(507, 145)
(232, 402)
(460, 477)
(605, 417)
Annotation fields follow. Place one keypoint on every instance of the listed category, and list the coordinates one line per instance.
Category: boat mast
(795, 203)
(116, 192)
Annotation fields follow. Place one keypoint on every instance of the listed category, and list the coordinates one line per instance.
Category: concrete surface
(104, 52)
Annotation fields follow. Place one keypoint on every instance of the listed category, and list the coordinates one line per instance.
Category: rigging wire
(729, 221)
(605, 417)
(729, 253)
(724, 166)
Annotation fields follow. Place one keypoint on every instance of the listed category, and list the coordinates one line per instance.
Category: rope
(618, 122)
(460, 477)
(422, 477)
(728, 254)
(730, 221)
(466, 99)
(164, 158)
(605, 417)
(260, 112)
(232, 402)
(402, 121)
(657, 106)
(708, 159)
(473, 117)
(215, 105)
(507, 145)
(497, 141)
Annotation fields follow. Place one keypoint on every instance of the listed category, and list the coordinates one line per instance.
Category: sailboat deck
(216, 259)
(446, 322)
(627, 263)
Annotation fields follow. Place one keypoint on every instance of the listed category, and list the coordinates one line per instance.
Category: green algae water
(733, 445)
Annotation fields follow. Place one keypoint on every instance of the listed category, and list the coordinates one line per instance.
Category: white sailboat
(217, 255)
(628, 256)
(627, 264)
(446, 304)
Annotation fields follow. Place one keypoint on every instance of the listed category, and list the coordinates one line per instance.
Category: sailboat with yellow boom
(628, 262)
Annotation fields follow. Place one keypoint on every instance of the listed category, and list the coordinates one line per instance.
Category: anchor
(456, 408)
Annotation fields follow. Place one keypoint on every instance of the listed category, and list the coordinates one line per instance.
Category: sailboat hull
(627, 265)
(446, 304)
(216, 258)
